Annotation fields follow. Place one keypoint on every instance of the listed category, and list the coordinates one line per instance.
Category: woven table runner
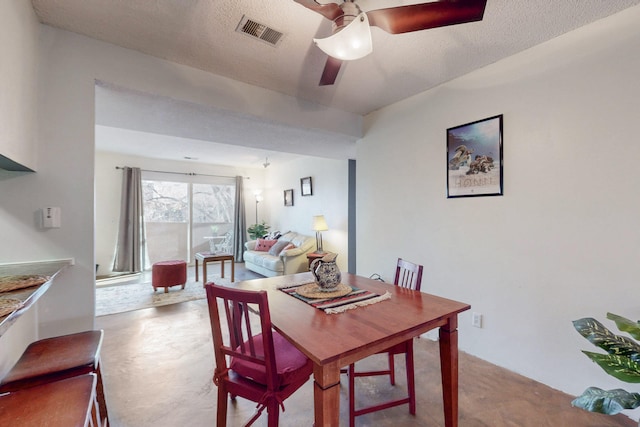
(332, 305)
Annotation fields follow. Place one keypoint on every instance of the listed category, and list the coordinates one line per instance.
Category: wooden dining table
(333, 341)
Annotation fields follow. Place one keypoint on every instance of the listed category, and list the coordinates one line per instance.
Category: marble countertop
(29, 296)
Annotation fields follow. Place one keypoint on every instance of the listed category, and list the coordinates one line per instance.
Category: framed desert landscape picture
(474, 159)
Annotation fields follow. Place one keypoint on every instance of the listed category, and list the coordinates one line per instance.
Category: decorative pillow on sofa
(286, 248)
(274, 235)
(288, 236)
(263, 245)
(277, 248)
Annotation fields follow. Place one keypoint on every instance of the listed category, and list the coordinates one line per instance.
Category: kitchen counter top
(29, 296)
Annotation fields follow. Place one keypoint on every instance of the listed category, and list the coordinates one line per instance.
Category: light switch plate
(51, 217)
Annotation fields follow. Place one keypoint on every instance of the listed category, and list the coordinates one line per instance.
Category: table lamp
(319, 225)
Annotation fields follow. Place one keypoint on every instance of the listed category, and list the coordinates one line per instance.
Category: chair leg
(352, 395)
(94, 421)
(273, 413)
(411, 384)
(411, 387)
(102, 402)
(222, 407)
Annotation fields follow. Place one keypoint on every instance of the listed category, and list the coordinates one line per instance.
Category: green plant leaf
(626, 325)
(620, 367)
(608, 402)
(256, 231)
(597, 334)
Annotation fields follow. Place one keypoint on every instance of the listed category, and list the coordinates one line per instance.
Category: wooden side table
(206, 257)
(313, 256)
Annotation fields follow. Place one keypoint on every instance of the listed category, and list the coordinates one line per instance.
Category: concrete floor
(158, 365)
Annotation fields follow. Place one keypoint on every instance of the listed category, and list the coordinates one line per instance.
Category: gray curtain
(240, 223)
(131, 237)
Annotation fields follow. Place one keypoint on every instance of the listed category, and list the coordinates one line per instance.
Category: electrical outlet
(476, 320)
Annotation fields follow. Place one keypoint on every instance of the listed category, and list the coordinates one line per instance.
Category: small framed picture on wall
(474, 159)
(288, 197)
(306, 189)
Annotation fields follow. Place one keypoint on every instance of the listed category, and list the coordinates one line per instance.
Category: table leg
(326, 395)
(196, 269)
(204, 272)
(449, 368)
(233, 270)
(221, 268)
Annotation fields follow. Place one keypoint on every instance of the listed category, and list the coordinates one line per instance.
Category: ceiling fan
(351, 37)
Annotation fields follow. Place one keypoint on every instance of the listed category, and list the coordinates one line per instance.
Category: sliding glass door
(184, 213)
(213, 206)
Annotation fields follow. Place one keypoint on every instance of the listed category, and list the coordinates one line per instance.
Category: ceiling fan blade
(404, 19)
(330, 11)
(330, 73)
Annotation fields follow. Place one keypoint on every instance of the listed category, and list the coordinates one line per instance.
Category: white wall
(18, 128)
(563, 241)
(18, 82)
(109, 189)
(330, 198)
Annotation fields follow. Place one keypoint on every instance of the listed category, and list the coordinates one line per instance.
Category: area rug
(135, 296)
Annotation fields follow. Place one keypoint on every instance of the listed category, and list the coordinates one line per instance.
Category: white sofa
(289, 261)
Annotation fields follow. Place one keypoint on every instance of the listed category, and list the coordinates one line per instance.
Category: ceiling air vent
(259, 31)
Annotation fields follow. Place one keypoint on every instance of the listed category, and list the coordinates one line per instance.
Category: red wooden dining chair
(252, 360)
(408, 275)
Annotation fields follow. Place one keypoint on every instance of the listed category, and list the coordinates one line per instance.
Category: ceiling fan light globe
(352, 42)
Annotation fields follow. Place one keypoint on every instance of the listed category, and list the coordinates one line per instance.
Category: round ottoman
(168, 273)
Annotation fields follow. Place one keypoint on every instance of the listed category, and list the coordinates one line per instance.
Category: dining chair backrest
(241, 339)
(253, 361)
(408, 275)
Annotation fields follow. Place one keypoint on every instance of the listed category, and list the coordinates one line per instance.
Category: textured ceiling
(201, 34)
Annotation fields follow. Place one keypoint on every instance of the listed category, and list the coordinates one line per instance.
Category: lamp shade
(352, 42)
(319, 223)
